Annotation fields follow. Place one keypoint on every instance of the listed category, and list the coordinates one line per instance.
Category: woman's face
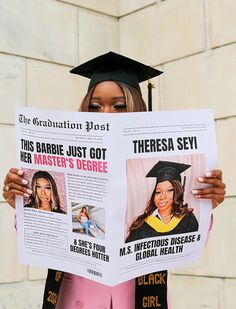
(84, 210)
(164, 196)
(107, 97)
(43, 190)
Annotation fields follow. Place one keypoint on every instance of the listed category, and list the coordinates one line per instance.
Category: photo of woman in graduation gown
(166, 213)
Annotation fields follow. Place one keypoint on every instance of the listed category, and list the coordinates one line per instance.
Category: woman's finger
(15, 184)
(18, 187)
(209, 190)
(14, 178)
(216, 189)
(215, 174)
(217, 196)
(215, 182)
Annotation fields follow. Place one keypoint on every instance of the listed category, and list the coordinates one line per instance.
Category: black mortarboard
(167, 170)
(115, 67)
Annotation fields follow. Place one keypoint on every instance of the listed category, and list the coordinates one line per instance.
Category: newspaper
(83, 218)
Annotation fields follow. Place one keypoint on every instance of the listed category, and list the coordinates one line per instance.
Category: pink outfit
(77, 293)
(81, 293)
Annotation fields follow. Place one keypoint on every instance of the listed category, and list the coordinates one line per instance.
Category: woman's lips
(161, 204)
(44, 199)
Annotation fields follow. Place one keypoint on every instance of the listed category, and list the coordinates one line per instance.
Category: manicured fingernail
(200, 179)
(20, 172)
(209, 174)
(29, 191)
(194, 191)
(26, 195)
(24, 181)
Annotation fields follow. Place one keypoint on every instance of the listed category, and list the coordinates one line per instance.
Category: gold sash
(161, 227)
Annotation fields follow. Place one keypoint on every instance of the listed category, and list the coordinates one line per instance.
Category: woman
(84, 219)
(114, 87)
(166, 212)
(44, 193)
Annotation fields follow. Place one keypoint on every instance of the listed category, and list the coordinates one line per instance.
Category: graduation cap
(115, 67)
(167, 170)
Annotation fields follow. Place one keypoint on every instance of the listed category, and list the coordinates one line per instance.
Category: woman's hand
(215, 191)
(15, 184)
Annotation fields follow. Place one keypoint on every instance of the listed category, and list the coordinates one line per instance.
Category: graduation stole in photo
(151, 291)
(161, 227)
(52, 288)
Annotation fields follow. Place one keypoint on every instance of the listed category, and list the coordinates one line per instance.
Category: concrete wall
(193, 41)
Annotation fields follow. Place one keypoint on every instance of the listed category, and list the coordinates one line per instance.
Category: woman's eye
(94, 105)
(158, 193)
(170, 191)
(47, 188)
(119, 105)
